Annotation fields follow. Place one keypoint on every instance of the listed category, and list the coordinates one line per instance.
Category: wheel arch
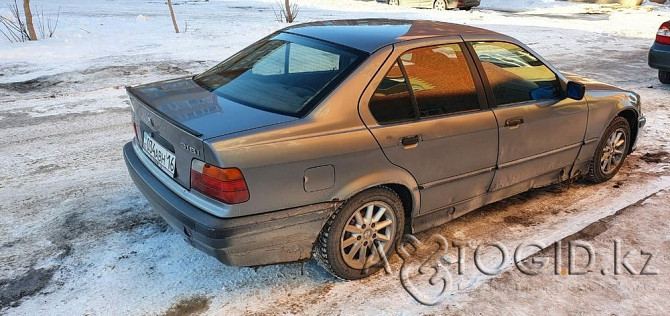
(407, 201)
(632, 117)
(400, 182)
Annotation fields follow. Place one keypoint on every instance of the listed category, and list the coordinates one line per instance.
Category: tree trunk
(174, 20)
(289, 15)
(29, 20)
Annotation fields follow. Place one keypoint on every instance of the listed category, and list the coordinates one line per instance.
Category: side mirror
(575, 90)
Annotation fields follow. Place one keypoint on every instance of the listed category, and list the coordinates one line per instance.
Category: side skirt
(445, 214)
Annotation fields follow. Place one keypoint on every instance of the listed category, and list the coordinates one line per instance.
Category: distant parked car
(659, 54)
(333, 138)
(437, 4)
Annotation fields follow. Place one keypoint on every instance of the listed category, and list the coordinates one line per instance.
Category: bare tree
(174, 19)
(286, 12)
(46, 27)
(29, 20)
(15, 28)
(287, 7)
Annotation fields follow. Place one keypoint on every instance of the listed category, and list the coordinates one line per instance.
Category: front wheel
(664, 76)
(358, 238)
(611, 151)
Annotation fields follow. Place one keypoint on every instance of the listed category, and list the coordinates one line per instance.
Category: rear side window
(441, 80)
(391, 101)
(515, 75)
(287, 74)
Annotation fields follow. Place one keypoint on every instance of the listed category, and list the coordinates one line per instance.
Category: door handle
(409, 142)
(514, 122)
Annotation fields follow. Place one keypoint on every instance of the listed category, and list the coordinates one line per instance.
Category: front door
(429, 120)
(541, 131)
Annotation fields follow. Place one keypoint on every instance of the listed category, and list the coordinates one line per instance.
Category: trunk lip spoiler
(133, 95)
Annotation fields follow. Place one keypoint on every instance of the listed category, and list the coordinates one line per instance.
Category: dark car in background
(659, 54)
(437, 4)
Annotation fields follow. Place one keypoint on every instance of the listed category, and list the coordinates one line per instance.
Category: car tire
(664, 76)
(393, 2)
(440, 5)
(361, 212)
(611, 151)
(465, 8)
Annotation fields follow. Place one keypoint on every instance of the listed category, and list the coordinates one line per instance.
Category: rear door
(412, 2)
(423, 3)
(428, 115)
(541, 131)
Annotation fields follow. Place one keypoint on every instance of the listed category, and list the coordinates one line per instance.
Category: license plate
(159, 154)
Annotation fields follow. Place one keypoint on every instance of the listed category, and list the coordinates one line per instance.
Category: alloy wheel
(613, 151)
(440, 5)
(368, 235)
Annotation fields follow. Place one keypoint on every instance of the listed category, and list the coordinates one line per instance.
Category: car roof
(371, 34)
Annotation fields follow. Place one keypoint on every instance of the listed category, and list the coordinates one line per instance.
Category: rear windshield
(286, 74)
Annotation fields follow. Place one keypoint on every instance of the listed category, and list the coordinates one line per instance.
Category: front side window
(285, 74)
(515, 75)
(441, 80)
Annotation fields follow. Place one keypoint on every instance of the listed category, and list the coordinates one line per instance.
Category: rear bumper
(275, 237)
(659, 57)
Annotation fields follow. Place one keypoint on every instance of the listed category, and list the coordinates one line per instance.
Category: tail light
(224, 184)
(663, 35)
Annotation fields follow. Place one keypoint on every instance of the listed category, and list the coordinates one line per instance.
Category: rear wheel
(361, 233)
(394, 2)
(440, 5)
(664, 76)
(611, 151)
(466, 8)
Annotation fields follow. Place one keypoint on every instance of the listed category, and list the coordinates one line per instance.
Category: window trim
(474, 74)
(412, 98)
(487, 85)
(410, 95)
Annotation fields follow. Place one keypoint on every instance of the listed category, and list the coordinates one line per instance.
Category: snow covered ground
(76, 237)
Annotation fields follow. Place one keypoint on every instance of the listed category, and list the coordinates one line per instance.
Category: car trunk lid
(202, 112)
(174, 117)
